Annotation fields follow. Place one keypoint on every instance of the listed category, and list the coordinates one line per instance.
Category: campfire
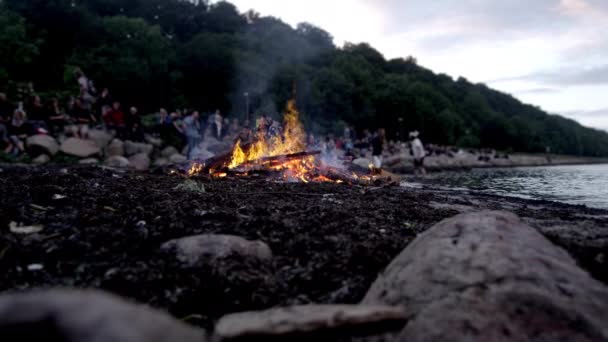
(284, 156)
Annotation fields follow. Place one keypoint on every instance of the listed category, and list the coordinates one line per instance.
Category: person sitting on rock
(81, 118)
(18, 131)
(135, 130)
(115, 119)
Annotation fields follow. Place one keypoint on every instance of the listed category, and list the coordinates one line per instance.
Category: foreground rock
(322, 320)
(489, 277)
(86, 316)
(43, 142)
(80, 148)
(207, 248)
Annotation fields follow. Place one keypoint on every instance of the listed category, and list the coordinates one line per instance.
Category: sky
(549, 53)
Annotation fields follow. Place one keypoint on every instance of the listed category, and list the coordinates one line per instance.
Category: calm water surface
(579, 184)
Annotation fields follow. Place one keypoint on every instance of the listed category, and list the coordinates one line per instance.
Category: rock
(46, 143)
(140, 162)
(41, 159)
(80, 148)
(362, 162)
(169, 151)
(116, 148)
(177, 159)
(207, 248)
(298, 320)
(157, 142)
(89, 161)
(84, 316)
(487, 276)
(100, 137)
(161, 162)
(117, 162)
(133, 148)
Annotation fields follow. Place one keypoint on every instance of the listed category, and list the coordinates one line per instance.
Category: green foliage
(206, 55)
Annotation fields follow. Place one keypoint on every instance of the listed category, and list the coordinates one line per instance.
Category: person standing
(378, 143)
(418, 152)
(192, 130)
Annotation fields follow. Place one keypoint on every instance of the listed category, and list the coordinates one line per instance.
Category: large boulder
(133, 148)
(140, 162)
(115, 148)
(119, 162)
(100, 137)
(45, 143)
(489, 277)
(168, 151)
(297, 321)
(207, 248)
(86, 316)
(80, 148)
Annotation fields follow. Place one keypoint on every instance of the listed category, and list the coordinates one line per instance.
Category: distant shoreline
(465, 161)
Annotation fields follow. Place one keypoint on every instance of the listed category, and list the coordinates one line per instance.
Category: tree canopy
(196, 54)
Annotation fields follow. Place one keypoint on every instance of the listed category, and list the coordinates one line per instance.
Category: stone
(89, 161)
(298, 320)
(207, 248)
(80, 148)
(177, 159)
(362, 162)
(169, 151)
(45, 143)
(140, 162)
(115, 148)
(487, 276)
(41, 159)
(161, 162)
(117, 162)
(157, 142)
(133, 148)
(100, 137)
(86, 316)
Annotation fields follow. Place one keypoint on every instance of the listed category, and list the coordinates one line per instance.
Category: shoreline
(403, 164)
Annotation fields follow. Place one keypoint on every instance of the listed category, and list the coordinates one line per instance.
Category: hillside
(169, 53)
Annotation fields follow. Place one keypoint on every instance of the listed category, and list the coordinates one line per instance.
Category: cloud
(601, 112)
(596, 75)
(538, 91)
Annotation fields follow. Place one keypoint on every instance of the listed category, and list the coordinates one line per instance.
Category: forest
(208, 56)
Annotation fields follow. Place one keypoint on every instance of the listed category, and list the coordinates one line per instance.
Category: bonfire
(284, 156)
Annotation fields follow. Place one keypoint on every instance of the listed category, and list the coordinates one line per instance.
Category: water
(573, 184)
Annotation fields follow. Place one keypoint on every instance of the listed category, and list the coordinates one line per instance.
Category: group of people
(30, 116)
(180, 128)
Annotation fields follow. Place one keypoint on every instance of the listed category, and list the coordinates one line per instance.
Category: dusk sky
(550, 53)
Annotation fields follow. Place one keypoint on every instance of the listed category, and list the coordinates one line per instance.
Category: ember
(284, 155)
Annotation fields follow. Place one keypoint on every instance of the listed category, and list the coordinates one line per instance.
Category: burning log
(282, 158)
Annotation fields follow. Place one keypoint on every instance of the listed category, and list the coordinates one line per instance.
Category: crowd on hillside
(182, 128)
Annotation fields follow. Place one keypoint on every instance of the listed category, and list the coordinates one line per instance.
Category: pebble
(35, 267)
